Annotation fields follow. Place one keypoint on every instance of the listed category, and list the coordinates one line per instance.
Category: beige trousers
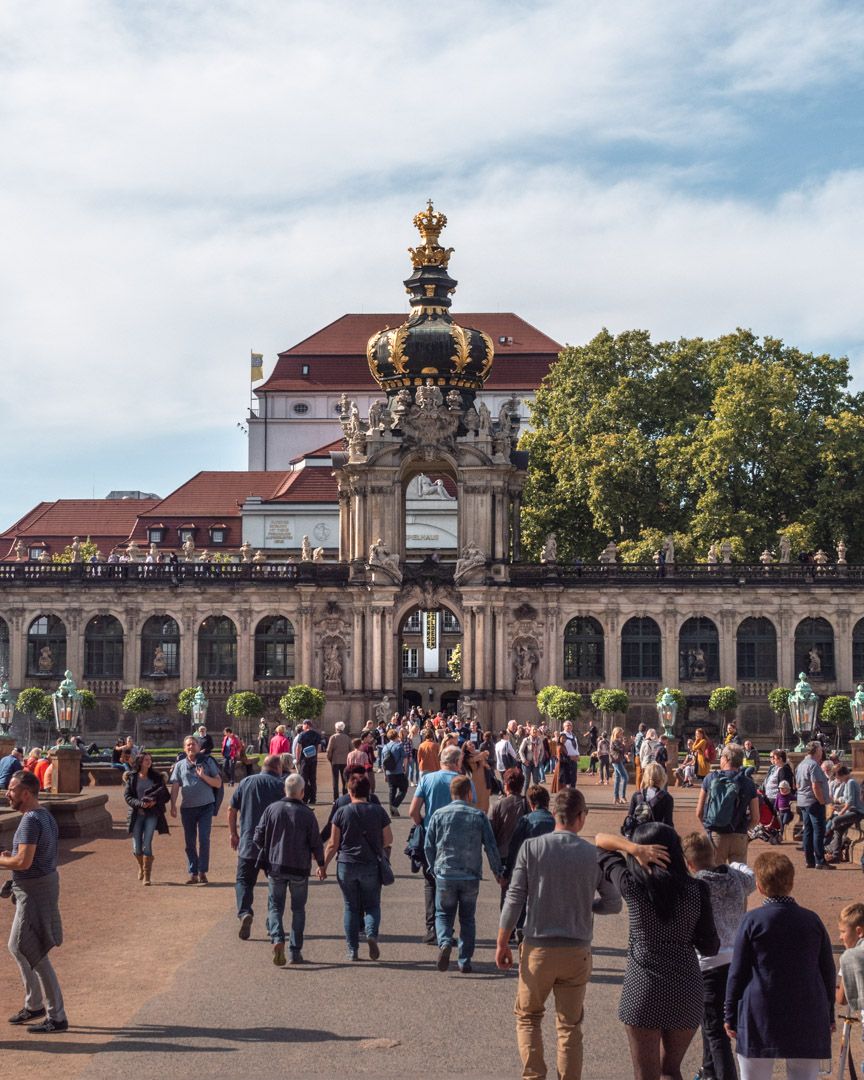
(564, 972)
(730, 847)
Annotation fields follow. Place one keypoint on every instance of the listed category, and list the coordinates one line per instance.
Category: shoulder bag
(385, 870)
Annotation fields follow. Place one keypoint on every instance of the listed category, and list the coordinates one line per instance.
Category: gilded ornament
(370, 354)
(490, 354)
(398, 359)
(462, 357)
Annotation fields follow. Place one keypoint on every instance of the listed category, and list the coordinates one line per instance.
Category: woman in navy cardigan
(780, 993)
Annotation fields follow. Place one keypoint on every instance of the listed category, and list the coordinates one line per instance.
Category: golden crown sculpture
(430, 253)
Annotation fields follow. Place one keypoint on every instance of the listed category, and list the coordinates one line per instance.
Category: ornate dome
(429, 345)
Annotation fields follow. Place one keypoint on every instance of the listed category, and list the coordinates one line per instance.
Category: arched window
(857, 651)
(46, 646)
(814, 649)
(757, 649)
(698, 651)
(103, 648)
(640, 649)
(217, 648)
(274, 648)
(4, 649)
(583, 649)
(160, 634)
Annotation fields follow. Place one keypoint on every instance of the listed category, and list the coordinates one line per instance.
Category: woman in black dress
(670, 918)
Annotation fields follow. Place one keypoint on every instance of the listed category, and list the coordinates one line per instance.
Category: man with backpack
(728, 806)
(393, 761)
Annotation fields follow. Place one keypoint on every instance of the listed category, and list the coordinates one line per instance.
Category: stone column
(501, 666)
(669, 646)
(480, 645)
(17, 654)
(612, 651)
(467, 650)
(307, 675)
(517, 528)
(357, 651)
(66, 774)
(786, 673)
(74, 646)
(188, 652)
(375, 681)
(245, 672)
(728, 649)
(390, 650)
(843, 653)
(131, 649)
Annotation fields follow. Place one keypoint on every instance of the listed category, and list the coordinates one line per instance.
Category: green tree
(837, 711)
(31, 702)
(454, 664)
(88, 548)
(611, 701)
(778, 699)
(244, 704)
(302, 702)
(723, 700)
(680, 700)
(88, 700)
(138, 700)
(736, 438)
(184, 700)
(564, 706)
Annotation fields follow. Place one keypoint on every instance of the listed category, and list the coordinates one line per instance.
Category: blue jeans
(413, 771)
(197, 821)
(277, 886)
(620, 770)
(814, 833)
(244, 887)
(142, 833)
(228, 764)
(450, 895)
(533, 774)
(361, 887)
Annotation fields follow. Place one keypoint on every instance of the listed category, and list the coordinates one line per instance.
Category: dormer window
(217, 534)
(186, 534)
(33, 553)
(304, 369)
(156, 535)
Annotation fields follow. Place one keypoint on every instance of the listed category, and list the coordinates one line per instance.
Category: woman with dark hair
(475, 765)
(670, 918)
(147, 796)
(780, 770)
(360, 833)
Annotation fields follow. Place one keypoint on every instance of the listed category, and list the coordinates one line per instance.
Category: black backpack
(388, 761)
(642, 814)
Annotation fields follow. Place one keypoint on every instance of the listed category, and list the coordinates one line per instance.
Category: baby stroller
(769, 828)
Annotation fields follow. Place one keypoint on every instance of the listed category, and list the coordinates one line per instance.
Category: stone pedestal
(66, 774)
(672, 747)
(857, 748)
(7, 742)
(794, 758)
(525, 703)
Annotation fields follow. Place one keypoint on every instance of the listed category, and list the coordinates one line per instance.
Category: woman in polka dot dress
(670, 918)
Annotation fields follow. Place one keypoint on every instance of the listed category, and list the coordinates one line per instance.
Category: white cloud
(184, 181)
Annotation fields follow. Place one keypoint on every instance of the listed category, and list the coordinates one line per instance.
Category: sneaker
(296, 958)
(351, 955)
(466, 968)
(192, 879)
(26, 1015)
(245, 927)
(202, 879)
(279, 954)
(374, 951)
(48, 1026)
(395, 813)
(825, 866)
(444, 958)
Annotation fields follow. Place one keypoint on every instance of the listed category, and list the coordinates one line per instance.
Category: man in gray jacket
(557, 876)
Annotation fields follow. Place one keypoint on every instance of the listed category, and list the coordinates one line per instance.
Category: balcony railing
(98, 574)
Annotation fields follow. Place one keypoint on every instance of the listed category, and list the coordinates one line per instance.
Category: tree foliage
(679, 698)
(184, 700)
(88, 548)
(737, 438)
(138, 700)
(30, 701)
(778, 699)
(837, 710)
(559, 704)
(610, 701)
(302, 703)
(88, 700)
(245, 703)
(454, 664)
(723, 700)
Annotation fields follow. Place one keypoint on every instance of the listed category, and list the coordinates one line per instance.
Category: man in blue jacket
(455, 837)
(393, 758)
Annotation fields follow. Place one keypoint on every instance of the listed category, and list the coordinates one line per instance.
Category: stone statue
(524, 661)
(472, 558)
(383, 710)
(100, 558)
(344, 404)
(133, 552)
(696, 667)
(246, 552)
(814, 667)
(506, 420)
(470, 419)
(154, 551)
(549, 554)
(332, 663)
(318, 554)
(375, 410)
(485, 418)
(46, 660)
(379, 555)
(428, 396)
(841, 551)
(820, 558)
(668, 549)
(454, 400)
(726, 552)
(76, 549)
(44, 556)
(20, 552)
(159, 662)
(188, 550)
(428, 489)
(205, 557)
(713, 557)
(609, 554)
(402, 403)
(785, 548)
(766, 558)
(306, 550)
(467, 710)
(259, 558)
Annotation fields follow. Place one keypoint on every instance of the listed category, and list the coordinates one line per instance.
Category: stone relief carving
(382, 559)
(471, 561)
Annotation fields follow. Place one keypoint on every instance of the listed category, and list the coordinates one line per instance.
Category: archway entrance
(427, 641)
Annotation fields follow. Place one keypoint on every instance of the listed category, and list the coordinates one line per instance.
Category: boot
(140, 860)
(148, 866)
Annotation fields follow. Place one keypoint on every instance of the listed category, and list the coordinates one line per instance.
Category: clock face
(321, 531)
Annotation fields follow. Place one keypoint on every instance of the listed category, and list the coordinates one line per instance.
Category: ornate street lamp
(667, 709)
(7, 709)
(803, 706)
(857, 706)
(66, 701)
(199, 708)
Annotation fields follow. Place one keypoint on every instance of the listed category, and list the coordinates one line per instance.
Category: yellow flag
(257, 366)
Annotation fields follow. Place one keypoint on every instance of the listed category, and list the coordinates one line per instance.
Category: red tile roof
(312, 484)
(107, 522)
(321, 452)
(336, 354)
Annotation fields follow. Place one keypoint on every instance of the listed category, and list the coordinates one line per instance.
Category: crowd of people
(696, 958)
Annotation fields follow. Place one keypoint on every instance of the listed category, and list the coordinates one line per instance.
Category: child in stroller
(771, 825)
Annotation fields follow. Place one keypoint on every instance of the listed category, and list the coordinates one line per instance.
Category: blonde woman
(620, 757)
(653, 793)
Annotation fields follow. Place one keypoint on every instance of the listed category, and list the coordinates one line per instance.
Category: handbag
(385, 870)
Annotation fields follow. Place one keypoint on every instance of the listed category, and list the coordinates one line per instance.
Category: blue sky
(184, 181)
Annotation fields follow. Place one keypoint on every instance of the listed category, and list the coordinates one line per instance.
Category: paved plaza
(156, 980)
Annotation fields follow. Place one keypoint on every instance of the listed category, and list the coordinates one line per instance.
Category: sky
(184, 181)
